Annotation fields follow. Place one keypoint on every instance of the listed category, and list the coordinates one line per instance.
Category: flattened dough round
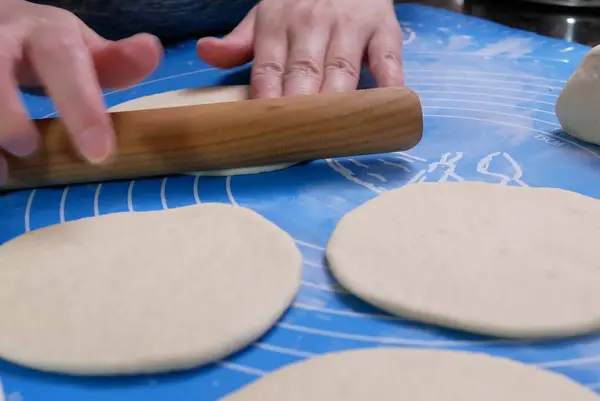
(192, 97)
(490, 259)
(393, 374)
(144, 292)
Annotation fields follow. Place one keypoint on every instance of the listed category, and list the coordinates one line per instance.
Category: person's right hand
(43, 46)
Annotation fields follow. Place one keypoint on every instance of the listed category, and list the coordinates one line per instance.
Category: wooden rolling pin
(229, 135)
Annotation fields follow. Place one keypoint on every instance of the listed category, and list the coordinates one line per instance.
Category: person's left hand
(309, 46)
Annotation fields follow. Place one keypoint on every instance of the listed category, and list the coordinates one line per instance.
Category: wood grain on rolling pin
(229, 135)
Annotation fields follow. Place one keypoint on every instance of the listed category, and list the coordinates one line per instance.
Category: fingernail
(211, 39)
(95, 144)
(21, 145)
(135, 37)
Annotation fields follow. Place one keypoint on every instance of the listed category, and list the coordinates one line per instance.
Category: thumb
(234, 49)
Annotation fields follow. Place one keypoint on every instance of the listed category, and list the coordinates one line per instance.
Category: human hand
(50, 47)
(309, 46)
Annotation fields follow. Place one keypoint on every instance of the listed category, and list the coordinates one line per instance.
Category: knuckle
(55, 38)
(10, 45)
(269, 15)
(390, 56)
(61, 14)
(338, 88)
(267, 68)
(268, 21)
(59, 31)
(351, 19)
(343, 65)
(309, 17)
(49, 15)
(269, 18)
(304, 67)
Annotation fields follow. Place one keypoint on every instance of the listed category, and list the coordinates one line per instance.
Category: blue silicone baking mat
(488, 95)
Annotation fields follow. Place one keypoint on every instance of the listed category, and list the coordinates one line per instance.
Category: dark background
(581, 25)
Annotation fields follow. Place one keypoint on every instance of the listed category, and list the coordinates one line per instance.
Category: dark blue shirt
(170, 20)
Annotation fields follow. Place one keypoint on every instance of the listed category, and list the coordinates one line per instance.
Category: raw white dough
(144, 292)
(393, 374)
(578, 106)
(186, 97)
(192, 97)
(490, 259)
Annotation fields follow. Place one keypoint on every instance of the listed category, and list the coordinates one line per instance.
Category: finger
(270, 52)
(18, 135)
(306, 59)
(122, 63)
(234, 49)
(125, 62)
(90, 37)
(385, 56)
(343, 61)
(26, 75)
(64, 65)
(118, 64)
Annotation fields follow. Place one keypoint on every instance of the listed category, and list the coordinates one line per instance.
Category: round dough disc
(393, 374)
(144, 292)
(490, 259)
(578, 106)
(192, 97)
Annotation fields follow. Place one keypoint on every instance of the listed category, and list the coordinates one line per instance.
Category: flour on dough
(394, 374)
(192, 97)
(578, 106)
(144, 292)
(490, 259)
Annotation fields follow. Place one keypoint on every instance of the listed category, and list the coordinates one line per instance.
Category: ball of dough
(144, 292)
(392, 374)
(578, 106)
(490, 259)
(196, 96)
